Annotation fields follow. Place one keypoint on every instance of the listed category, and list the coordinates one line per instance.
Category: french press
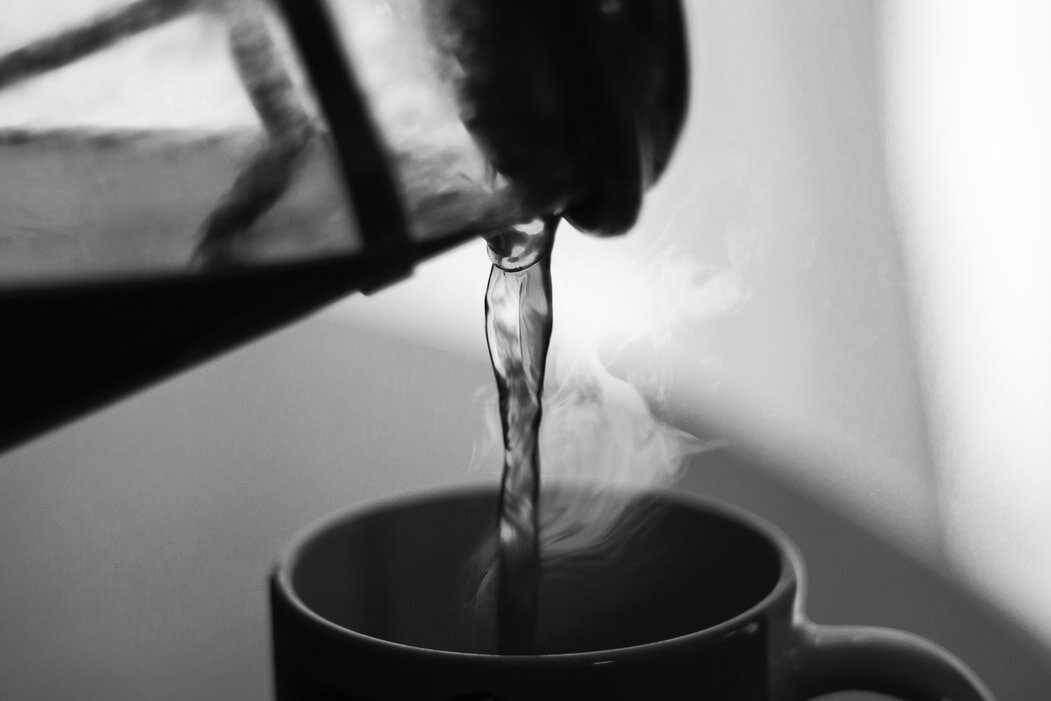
(388, 132)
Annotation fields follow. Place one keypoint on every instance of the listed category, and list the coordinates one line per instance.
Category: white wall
(969, 127)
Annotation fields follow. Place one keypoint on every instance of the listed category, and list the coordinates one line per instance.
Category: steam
(601, 438)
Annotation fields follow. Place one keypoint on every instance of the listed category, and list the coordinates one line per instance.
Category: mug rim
(790, 577)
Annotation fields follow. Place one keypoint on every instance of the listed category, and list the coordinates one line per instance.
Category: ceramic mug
(695, 600)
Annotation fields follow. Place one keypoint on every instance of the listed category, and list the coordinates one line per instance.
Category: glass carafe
(179, 176)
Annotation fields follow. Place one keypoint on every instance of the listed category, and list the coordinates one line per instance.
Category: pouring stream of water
(518, 330)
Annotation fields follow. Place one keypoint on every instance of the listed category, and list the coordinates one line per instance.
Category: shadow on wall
(137, 541)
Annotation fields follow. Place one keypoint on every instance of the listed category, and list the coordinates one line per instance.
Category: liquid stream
(518, 324)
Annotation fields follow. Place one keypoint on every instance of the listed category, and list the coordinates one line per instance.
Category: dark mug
(692, 599)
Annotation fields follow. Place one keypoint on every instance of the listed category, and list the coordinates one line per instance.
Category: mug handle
(881, 660)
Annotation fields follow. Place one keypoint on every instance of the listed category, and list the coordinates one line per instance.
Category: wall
(136, 543)
(777, 196)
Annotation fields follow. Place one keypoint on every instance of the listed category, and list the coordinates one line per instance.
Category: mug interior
(416, 572)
